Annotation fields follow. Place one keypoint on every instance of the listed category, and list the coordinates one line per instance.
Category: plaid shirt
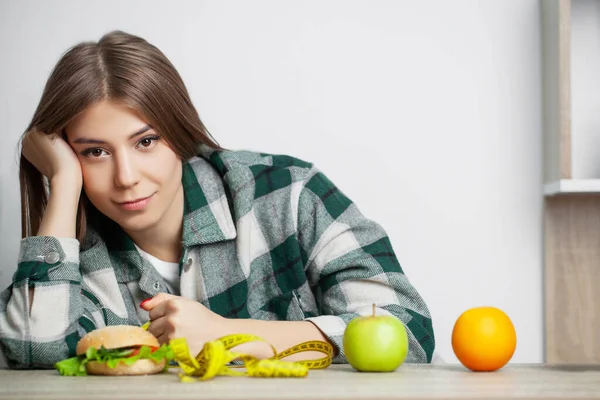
(267, 237)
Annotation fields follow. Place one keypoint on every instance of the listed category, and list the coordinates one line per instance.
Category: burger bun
(119, 336)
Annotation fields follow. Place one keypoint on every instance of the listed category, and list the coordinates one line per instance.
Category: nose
(126, 171)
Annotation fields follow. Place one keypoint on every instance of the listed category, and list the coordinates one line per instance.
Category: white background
(585, 88)
(427, 114)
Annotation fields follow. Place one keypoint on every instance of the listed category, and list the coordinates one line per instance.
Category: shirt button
(188, 265)
(52, 257)
(157, 285)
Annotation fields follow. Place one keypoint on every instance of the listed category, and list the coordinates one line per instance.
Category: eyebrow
(98, 141)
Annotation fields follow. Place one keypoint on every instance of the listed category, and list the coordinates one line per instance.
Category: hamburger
(117, 350)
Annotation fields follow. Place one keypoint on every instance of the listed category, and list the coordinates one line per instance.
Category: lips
(136, 205)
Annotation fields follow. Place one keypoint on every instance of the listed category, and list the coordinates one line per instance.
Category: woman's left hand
(175, 317)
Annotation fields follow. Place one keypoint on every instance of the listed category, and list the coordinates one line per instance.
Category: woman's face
(130, 173)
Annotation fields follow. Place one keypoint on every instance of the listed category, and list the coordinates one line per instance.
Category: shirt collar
(207, 215)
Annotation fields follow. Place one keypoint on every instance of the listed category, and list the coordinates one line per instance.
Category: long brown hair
(119, 67)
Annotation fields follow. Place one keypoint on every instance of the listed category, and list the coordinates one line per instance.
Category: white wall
(426, 113)
(585, 93)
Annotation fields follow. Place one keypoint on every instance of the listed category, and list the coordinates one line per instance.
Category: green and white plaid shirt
(267, 237)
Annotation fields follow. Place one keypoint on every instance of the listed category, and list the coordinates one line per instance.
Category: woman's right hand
(52, 156)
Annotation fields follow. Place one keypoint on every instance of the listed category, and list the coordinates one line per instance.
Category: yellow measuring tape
(215, 358)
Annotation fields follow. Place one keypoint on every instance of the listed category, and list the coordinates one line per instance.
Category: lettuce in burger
(117, 350)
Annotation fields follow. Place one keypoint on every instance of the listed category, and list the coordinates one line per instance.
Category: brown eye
(94, 153)
(148, 142)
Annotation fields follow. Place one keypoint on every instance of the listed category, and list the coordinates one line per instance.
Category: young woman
(132, 212)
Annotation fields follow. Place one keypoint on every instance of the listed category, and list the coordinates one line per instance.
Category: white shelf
(572, 186)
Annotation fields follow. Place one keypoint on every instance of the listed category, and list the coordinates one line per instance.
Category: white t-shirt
(168, 270)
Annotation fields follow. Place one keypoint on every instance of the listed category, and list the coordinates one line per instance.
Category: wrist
(66, 183)
(227, 326)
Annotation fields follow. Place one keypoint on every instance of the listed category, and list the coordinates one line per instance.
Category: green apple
(375, 343)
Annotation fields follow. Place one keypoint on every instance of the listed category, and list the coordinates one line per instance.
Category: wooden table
(336, 382)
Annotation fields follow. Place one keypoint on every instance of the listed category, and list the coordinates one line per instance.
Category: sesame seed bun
(118, 336)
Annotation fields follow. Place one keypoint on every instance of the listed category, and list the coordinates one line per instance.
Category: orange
(484, 338)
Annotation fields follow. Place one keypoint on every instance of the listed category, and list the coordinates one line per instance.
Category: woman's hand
(174, 317)
(52, 156)
(55, 159)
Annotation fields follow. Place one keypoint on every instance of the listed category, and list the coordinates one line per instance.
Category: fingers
(163, 339)
(51, 155)
(160, 310)
(166, 307)
(163, 329)
(158, 327)
(149, 304)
